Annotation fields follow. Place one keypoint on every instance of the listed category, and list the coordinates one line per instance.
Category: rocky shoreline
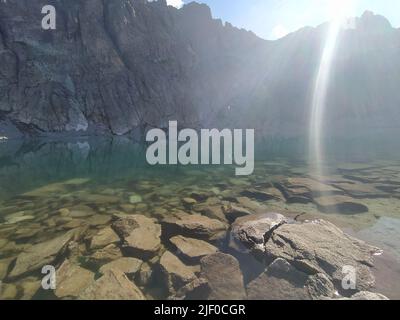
(139, 240)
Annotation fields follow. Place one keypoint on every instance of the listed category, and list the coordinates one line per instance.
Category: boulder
(195, 226)
(39, 255)
(192, 249)
(224, 277)
(71, 280)
(113, 285)
(252, 231)
(140, 235)
(320, 247)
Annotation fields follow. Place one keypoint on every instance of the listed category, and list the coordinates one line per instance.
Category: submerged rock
(224, 277)
(134, 199)
(280, 281)
(39, 255)
(103, 238)
(192, 249)
(29, 286)
(113, 285)
(140, 235)
(129, 266)
(365, 295)
(343, 204)
(8, 291)
(4, 266)
(232, 212)
(72, 280)
(105, 255)
(195, 226)
(175, 273)
(360, 190)
(18, 217)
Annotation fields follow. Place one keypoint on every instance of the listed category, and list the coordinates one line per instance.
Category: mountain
(122, 66)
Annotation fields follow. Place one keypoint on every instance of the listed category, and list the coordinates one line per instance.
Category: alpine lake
(114, 227)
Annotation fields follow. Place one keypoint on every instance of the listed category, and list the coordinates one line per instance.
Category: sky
(273, 19)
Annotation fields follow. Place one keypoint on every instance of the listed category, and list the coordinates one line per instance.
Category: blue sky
(272, 19)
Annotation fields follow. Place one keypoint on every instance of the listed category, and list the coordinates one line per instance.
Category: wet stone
(103, 238)
(129, 266)
(196, 226)
(224, 277)
(192, 249)
(29, 286)
(71, 280)
(8, 291)
(105, 255)
(280, 281)
(140, 235)
(40, 254)
(175, 273)
(343, 204)
(113, 285)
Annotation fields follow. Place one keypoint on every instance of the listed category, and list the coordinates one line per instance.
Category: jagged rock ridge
(118, 66)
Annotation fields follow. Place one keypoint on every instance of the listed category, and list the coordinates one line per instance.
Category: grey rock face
(315, 248)
(119, 66)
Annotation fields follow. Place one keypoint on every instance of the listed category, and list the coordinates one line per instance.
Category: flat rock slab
(224, 276)
(39, 255)
(140, 235)
(192, 249)
(314, 186)
(129, 266)
(342, 204)
(361, 190)
(72, 280)
(195, 226)
(113, 285)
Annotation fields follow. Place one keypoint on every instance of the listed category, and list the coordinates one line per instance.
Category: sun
(340, 10)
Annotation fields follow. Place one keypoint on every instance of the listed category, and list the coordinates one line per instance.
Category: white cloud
(175, 3)
(279, 31)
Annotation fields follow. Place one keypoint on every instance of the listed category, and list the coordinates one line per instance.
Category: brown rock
(224, 277)
(192, 249)
(113, 285)
(103, 238)
(72, 280)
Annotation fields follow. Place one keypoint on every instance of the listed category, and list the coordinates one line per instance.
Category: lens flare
(338, 10)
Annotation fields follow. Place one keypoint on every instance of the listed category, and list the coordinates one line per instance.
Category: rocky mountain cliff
(122, 66)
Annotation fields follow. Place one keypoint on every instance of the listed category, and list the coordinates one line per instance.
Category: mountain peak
(372, 22)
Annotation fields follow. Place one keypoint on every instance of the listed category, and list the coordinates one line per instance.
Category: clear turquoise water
(117, 168)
